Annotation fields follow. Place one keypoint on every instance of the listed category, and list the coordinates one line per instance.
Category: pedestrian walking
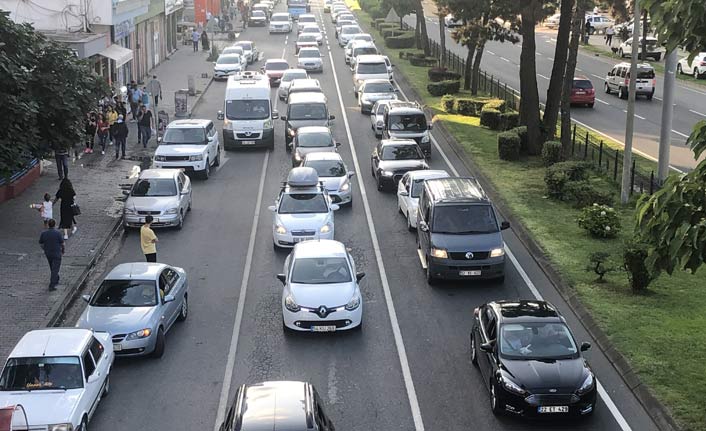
(148, 240)
(145, 123)
(67, 196)
(609, 32)
(195, 37)
(135, 99)
(120, 134)
(154, 87)
(61, 156)
(52, 243)
(102, 127)
(204, 41)
(91, 127)
(46, 209)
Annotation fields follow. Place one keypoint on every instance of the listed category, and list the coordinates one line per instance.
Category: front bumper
(340, 197)
(232, 141)
(222, 74)
(450, 269)
(282, 92)
(529, 405)
(138, 347)
(304, 320)
(389, 181)
(137, 220)
(280, 29)
(187, 166)
(287, 240)
(319, 67)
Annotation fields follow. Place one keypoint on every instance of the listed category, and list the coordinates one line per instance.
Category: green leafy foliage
(551, 153)
(522, 133)
(635, 255)
(509, 120)
(402, 41)
(437, 74)
(447, 102)
(470, 106)
(498, 104)
(490, 118)
(584, 193)
(559, 174)
(679, 23)
(422, 61)
(508, 146)
(598, 263)
(601, 221)
(443, 87)
(45, 92)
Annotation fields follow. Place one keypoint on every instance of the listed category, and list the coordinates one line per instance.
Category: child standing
(45, 209)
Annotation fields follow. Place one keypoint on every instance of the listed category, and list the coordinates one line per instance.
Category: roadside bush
(551, 152)
(522, 133)
(437, 74)
(386, 26)
(443, 87)
(470, 106)
(584, 193)
(403, 41)
(634, 256)
(378, 21)
(490, 118)
(377, 12)
(601, 221)
(422, 61)
(213, 55)
(448, 102)
(498, 104)
(509, 120)
(559, 174)
(508, 146)
(394, 32)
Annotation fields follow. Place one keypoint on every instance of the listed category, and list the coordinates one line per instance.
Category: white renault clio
(321, 288)
(303, 210)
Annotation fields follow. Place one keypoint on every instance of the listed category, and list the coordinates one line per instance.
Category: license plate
(117, 347)
(306, 238)
(322, 328)
(580, 92)
(469, 273)
(553, 409)
(247, 142)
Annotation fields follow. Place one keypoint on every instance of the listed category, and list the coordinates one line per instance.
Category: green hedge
(559, 174)
(448, 102)
(584, 193)
(403, 41)
(509, 120)
(437, 74)
(386, 26)
(508, 146)
(378, 21)
(422, 61)
(490, 118)
(498, 104)
(522, 133)
(470, 106)
(443, 87)
(551, 153)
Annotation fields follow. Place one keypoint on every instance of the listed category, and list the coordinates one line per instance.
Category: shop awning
(117, 53)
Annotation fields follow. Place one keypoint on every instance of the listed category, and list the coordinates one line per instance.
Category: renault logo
(323, 311)
(552, 390)
(469, 255)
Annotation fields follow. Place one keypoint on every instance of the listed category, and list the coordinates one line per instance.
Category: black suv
(277, 406)
(392, 158)
(458, 233)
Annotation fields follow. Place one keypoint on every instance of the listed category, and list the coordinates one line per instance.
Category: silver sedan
(165, 194)
(137, 303)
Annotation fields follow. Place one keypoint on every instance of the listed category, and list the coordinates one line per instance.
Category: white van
(371, 67)
(248, 112)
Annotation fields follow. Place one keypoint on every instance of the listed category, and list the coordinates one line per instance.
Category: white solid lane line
(640, 117)
(396, 331)
(680, 134)
(602, 101)
(504, 59)
(624, 426)
(490, 52)
(542, 76)
(230, 363)
(697, 112)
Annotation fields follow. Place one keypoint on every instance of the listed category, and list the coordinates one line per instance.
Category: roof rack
(248, 75)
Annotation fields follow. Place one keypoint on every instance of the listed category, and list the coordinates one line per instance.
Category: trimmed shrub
(422, 61)
(437, 74)
(392, 32)
(559, 174)
(522, 132)
(443, 87)
(634, 256)
(509, 120)
(551, 152)
(584, 193)
(601, 221)
(490, 118)
(508, 146)
(403, 41)
(378, 21)
(386, 26)
(470, 106)
(377, 12)
(498, 104)
(448, 102)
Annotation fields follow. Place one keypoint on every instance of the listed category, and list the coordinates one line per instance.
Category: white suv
(193, 145)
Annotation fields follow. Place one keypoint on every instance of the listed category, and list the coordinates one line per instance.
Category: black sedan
(392, 158)
(529, 360)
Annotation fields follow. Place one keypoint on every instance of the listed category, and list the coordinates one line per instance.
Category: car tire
(658, 57)
(190, 201)
(649, 96)
(399, 208)
(180, 226)
(380, 185)
(679, 69)
(622, 94)
(184, 312)
(372, 169)
(695, 74)
(474, 353)
(590, 105)
(158, 351)
(431, 280)
(621, 53)
(217, 160)
(409, 224)
(106, 387)
(84, 424)
(206, 172)
(606, 88)
(494, 407)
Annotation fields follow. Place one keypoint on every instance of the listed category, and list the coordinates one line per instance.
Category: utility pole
(665, 134)
(630, 121)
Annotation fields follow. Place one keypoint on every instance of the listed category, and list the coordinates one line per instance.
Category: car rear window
(645, 73)
(401, 152)
(371, 68)
(378, 87)
(276, 66)
(583, 84)
(327, 168)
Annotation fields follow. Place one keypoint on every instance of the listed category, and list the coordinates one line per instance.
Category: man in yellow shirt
(148, 240)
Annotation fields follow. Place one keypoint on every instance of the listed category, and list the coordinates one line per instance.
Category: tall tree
(441, 11)
(530, 14)
(422, 23)
(576, 25)
(554, 92)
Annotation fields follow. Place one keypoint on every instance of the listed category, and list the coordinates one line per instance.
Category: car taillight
(475, 311)
(703, 63)
(654, 82)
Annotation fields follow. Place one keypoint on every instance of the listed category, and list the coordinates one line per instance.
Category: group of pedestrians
(200, 35)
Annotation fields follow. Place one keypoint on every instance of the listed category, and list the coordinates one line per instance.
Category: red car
(582, 92)
(274, 69)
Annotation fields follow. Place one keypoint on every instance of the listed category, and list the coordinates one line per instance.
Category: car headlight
(387, 173)
(345, 186)
(511, 386)
(196, 158)
(60, 427)
(439, 253)
(353, 303)
(297, 156)
(129, 211)
(425, 139)
(379, 123)
(364, 98)
(497, 252)
(160, 158)
(587, 385)
(267, 124)
(226, 123)
(325, 228)
(280, 229)
(291, 132)
(172, 211)
(142, 333)
(290, 304)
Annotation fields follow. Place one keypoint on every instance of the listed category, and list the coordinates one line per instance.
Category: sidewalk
(26, 302)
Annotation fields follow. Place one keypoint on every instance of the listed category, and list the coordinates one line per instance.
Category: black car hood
(296, 124)
(395, 165)
(565, 374)
(467, 242)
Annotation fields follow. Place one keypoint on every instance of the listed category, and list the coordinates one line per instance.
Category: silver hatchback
(165, 194)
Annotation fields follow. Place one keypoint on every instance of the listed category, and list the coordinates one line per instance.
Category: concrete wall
(59, 15)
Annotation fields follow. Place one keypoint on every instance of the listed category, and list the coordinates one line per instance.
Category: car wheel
(622, 94)
(380, 185)
(206, 173)
(590, 105)
(217, 160)
(431, 280)
(84, 424)
(696, 72)
(189, 207)
(184, 312)
(106, 387)
(399, 208)
(409, 224)
(621, 53)
(158, 351)
(181, 221)
(474, 354)
(649, 96)
(679, 69)
(606, 88)
(372, 169)
(494, 407)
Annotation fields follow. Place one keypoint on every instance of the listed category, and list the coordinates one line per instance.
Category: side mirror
(220, 115)
(431, 126)
(168, 298)
(338, 144)
(359, 276)
(272, 208)
(185, 191)
(210, 138)
(214, 63)
(585, 346)
(351, 174)
(282, 278)
(126, 192)
(331, 117)
(504, 225)
(404, 193)
(283, 118)
(487, 347)
(275, 115)
(93, 378)
(86, 297)
(335, 207)
(423, 226)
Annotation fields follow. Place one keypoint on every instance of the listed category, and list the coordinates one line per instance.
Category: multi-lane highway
(609, 113)
(408, 369)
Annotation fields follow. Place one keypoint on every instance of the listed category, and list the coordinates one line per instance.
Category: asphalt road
(608, 116)
(408, 369)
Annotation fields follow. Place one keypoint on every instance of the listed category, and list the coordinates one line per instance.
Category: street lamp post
(630, 123)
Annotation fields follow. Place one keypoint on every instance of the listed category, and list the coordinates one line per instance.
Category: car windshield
(407, 123)
(303, 19)
(583, 84)
(146, 187)
(365, 51)
(303, 203)
(537, 340)
(327, 168)
(309, 53)
(276, 66)
(306, 38)
(308, 140)
(247, 46)
(230, 59)
(350, 30)
(378, 87)
(401, 152)
(125, 293)
(311, 30)
(284, 18)
(288, 76)
(257, 14)
(326, 270)
(42, 373)
(179, 136)
(307, 111)
(371, 68)
(464, 219)
(247, 109)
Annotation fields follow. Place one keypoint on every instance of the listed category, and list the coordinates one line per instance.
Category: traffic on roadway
(326, 261)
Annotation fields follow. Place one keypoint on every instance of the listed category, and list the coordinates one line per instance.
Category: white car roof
(159, 173)
(398, 142)
(319, 248)
(275, 61)
(371, 58)
(190, 123)
(323, 155)
(428, 174)
(136, 271)
(307, 15)
(313, 129)
(288, 71)
(310, 48)
(228, 55)
(280, 14)
(310, 26)
(52, 342)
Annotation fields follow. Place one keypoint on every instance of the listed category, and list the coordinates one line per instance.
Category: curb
(198, 98)
(657, 411)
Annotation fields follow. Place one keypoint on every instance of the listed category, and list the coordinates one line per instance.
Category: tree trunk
(423, 27)
(569, 81)
(529, 105)
(417, 32)
(468, 68)
(442, 37)
(645, 30)
(551, 111)
(480, 47)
